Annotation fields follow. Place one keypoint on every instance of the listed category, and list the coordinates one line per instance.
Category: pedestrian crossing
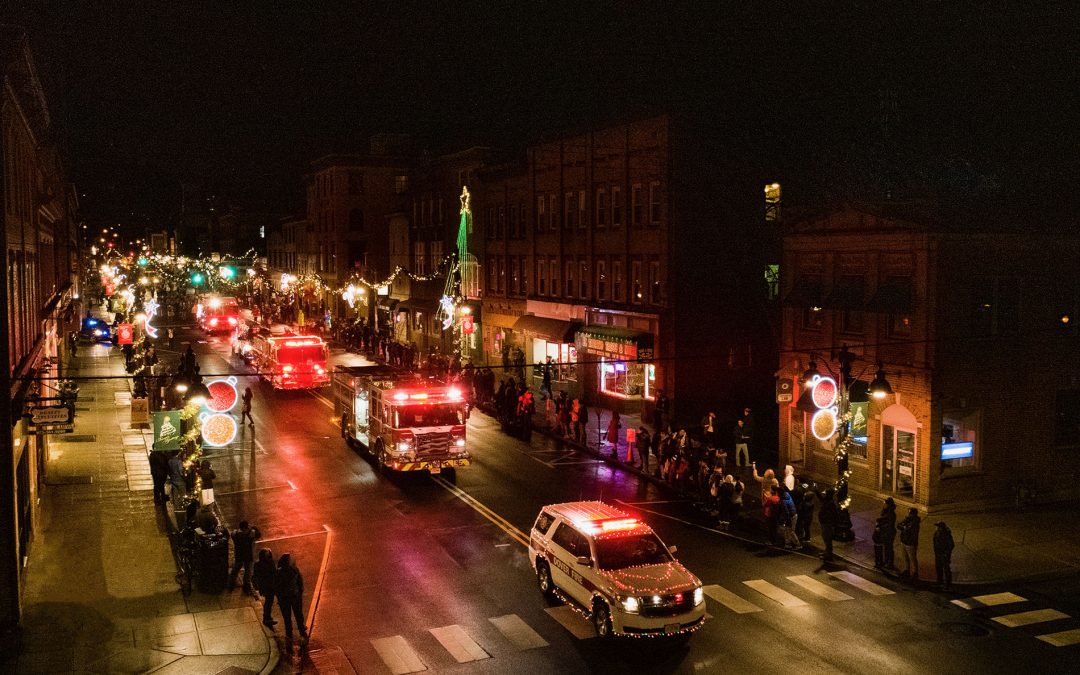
(1024, 617)
(464, 644)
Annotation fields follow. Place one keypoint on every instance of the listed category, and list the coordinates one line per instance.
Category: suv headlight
(699, 596)
(630, 605)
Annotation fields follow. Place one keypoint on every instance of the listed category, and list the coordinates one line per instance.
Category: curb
(273, 658)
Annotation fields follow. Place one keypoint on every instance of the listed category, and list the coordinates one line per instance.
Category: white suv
(614, 570)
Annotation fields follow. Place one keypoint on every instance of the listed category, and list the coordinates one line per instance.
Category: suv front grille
(669, 605)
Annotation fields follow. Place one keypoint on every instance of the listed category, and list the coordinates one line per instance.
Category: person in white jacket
(789, 477)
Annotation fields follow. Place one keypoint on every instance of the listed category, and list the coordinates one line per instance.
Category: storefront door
(898, 461)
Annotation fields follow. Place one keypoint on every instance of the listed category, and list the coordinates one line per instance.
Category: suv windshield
(640, 549)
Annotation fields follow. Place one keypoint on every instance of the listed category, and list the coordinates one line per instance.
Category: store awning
(642, 339)
(892, 297)
(554, 330)
(807, 292)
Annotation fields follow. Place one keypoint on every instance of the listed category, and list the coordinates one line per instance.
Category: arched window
(356, 220)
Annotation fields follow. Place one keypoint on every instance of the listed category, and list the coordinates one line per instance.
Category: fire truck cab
(289, 361)
(218, 315)
(405, 422)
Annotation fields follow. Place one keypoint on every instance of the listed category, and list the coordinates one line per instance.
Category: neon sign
(824, 392)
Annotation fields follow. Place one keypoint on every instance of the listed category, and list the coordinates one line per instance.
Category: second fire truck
(405, 422)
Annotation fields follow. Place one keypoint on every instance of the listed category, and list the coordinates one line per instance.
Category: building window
(959, 446)
(772, 281)
(654, 202)
(502, 223)
(584, 276)
(636, 288)
(541, 276)
(813, 318)
(655, 283)
(419, 259)
(569, 280)
(401, 184)
(601, 279)
(582, 220)
(515, 276)
(1067, 419)
(418, 322)
(515, 230)
(436, 254)
(617, 281)
(569, 209)
(601, 207)
(637, 204)
(616, 206)
(356, 183)
(356, 220)
(524, 266)
(493, 274)
(997, 306)
(524, 220)
(851, 322)
(492, 228)
(554, 269)
(623, 379)
(553, 211)
(541, 212)
(502, 275)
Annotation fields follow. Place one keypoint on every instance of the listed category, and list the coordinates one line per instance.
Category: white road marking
(730, 600)
(456, 641)
(818, 588)
(990, 600)
(860, 583)
(398, 656)
(578, 626)
(1062, 639)
(774, 593)
(518, 632)
(1028, 618)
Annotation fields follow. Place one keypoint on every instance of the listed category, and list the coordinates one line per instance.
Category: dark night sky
(239, 96)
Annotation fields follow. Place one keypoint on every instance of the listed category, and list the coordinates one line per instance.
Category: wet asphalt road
(408, 556)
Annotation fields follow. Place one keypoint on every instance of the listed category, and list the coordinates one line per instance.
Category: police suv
(614, 570)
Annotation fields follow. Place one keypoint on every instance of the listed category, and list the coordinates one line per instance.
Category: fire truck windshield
(429, 415)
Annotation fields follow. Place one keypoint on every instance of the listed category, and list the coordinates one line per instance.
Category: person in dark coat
(243, 553)
(263, 581)
(878, 537)
(888, 532)
(176, 474)
(909, 541)
(159, 473)
(943, 548)
(245, 411)
(289, 587)
(828, 516)
(806, 513)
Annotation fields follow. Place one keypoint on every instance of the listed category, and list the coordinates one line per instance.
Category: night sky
(236, 97)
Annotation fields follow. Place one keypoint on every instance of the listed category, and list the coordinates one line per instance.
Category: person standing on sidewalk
(613, 432)
(644, 444)
(741, 441)
(770, 508)
(909, 540)
(806, 513)
(243, 554)
(827, 518)
(159, 473)
(888, 532)
(207, 476)
(176, 474)
(289, 586)
(245, 411)
(708, 428)
(943, 548)
(263, 581)
(789, 518)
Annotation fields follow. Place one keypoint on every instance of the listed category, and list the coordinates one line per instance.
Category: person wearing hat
(888, 532)
(943, 548)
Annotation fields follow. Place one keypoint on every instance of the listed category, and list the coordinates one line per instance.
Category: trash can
(213, 562)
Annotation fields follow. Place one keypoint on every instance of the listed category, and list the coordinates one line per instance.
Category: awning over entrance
(555, 330)
(642, 339)
(892, 297)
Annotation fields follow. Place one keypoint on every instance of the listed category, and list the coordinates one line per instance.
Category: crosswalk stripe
(860, 583)
(1028, 618)
(456, 641)
(398, 656)
(1062, 639)
(818, 588)
(774, 593)
(572, 621)
(730, 600)
(990, 600)
(517, 631)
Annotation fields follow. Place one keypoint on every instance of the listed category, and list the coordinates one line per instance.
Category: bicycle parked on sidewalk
(185, 557)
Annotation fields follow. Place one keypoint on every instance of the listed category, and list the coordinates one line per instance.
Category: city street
(422, 573)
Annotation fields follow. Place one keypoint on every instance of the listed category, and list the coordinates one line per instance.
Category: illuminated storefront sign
(824, 394)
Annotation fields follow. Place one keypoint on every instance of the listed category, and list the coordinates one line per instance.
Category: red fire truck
(406, 423)
(289, 361)
(218, 315)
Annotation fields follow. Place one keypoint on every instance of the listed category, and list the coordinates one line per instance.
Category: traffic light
(143, 261)
(197, 279)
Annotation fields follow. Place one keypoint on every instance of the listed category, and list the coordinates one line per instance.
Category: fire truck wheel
(601, 617)
(544, 581)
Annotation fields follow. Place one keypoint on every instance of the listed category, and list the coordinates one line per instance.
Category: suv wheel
(601, 618)
(544, 581)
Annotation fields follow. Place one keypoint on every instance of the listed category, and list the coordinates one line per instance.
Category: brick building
(38, 293)
(974, 321)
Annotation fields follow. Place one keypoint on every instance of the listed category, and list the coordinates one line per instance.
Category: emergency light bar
(301, 343)
(597, 526)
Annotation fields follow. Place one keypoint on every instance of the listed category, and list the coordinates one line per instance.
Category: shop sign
(784, 390)
(140, 411)
(53, 419)
(124, 334)
(166, 430)
(467, 327)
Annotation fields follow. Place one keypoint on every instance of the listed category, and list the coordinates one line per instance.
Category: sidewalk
(1036, 543)
(101, 594)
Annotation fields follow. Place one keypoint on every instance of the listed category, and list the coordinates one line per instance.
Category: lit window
(959, 431)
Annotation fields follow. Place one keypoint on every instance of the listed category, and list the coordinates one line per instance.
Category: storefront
(551, 341)
(617, 374)
(497, 330)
